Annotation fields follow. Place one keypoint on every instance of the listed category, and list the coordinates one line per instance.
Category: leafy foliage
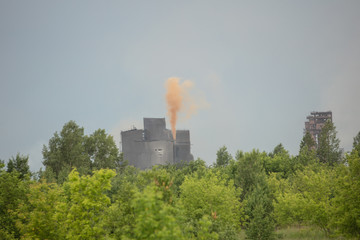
(346, 204)
(223, 157)
(102, 150)
(259, 209)
(82, 212)
(249, 170)
(72, 149)
(66, 151)
(211, 196)
(255, 191)
(307, 142)
(280, 162)
(257, 195)
(328, 149)
(19, 164)
(356, 143)
(13, 191)
(155, 218)
(314, 197)
(36, 215)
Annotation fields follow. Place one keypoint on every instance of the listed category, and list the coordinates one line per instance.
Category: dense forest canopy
(87, 191)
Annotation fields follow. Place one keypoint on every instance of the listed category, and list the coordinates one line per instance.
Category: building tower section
(155, 145)
(316, 121)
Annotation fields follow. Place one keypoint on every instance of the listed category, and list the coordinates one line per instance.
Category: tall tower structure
(316, 121)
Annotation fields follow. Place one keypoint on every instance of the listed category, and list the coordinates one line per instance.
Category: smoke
(179, 100)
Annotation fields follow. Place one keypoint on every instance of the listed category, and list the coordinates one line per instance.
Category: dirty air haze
(262, 65)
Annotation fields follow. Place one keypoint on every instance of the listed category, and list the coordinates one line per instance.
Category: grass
(298, 233)
(303, 233)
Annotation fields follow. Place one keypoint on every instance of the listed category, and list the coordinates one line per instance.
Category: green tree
(133, 193)
(13, 191)
(19, 164)
(211, 196)
(259, 209)
(251, 177)
(155, 218)
(180, 170)
(249, 168)
(72, 149)
(102, 150)
(82, 214)
(36, 216)
(66, 151)
(307, 153)
(346, 213)
(279, 161)
(223, 157)
(307, 141)
(308, 198)
(356, 143)
(277, 150)
(286, 203)
(328, 149)
(119, 218)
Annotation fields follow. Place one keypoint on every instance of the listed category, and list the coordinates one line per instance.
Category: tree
(328, 149)
(13, 191)
(82, 214)
(251, 177)
(259, 209)
(36, 216)
(277, 150)
(223, 157)
(19, 164)
(307, 153)
(155, 218)
(347, 201)
(102, 150)
(119, 218)
(279, 161)
(73, 149)
(249, 169)
(211, 196)
(66, 151)
(307, 141)
(307, 198)
(306, 157)
(356, 143)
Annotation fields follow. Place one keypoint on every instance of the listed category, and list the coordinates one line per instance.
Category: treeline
(87, 191)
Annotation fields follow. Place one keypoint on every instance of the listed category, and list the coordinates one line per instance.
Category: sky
(262, 67)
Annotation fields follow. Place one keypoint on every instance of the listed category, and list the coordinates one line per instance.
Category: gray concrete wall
(155, 129)
(182, 147)
(182, 153)
(159, 152)
(154, 145)
(182, 136)
(132, 146)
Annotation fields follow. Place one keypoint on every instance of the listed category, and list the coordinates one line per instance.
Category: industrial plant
(155, 145)
(316, 121)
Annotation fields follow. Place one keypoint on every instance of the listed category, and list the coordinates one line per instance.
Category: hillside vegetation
(88, 191)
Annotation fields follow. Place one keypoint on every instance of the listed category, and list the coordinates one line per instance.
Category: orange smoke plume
(179, 100)
(174, 97)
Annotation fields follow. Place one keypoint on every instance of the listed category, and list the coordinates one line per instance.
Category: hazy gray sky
(263, 66)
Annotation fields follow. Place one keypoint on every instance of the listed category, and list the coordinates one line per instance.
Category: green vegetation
(87, 191)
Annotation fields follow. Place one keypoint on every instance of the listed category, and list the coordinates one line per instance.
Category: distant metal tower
(316, 121)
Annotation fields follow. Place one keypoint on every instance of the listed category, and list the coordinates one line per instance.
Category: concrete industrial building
(316, 121)
(153, 145)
